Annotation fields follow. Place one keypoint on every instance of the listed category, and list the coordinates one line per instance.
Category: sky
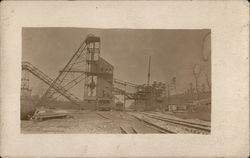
(173, 52)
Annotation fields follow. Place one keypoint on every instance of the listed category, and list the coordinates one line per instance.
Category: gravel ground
(102, 122)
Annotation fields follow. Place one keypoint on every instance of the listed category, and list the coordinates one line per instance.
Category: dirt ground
(203, 113)
(102, 122)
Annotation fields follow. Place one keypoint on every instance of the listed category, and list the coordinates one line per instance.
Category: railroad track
(151, 125)
(124, 129)
(110, 116)
(156, 122)
(182, 124)
(103, 116)
(180, 120)
(128, 130)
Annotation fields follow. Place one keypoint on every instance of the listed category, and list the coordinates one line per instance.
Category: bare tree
(203, 88)
(205, 56)
(196, 73)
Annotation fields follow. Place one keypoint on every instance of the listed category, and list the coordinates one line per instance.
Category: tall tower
(25, 89)
(92, 57)
(99, 72)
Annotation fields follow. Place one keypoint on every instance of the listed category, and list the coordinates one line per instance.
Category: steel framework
(78, 62)
(81, 66)
(27, 67)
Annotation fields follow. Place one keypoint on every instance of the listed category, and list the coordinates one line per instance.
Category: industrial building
(100, 87)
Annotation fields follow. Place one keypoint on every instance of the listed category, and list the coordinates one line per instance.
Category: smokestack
(149, 62)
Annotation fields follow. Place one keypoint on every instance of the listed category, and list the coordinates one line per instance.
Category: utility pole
(148, 88)
(149, 63)
(191, 90)
(168, 94)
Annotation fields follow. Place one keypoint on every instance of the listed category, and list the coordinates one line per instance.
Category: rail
(189, 126)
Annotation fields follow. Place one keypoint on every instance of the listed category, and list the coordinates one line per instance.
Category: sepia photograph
(124, 79)
(115, 81)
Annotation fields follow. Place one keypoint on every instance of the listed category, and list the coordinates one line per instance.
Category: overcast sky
(173, 52)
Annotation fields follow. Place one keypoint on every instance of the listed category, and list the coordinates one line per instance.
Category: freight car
(119, 106)
(103, 104)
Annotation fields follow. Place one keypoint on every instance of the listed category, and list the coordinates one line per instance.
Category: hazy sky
(173, 52)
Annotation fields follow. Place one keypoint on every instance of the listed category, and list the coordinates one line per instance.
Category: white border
(229, 24)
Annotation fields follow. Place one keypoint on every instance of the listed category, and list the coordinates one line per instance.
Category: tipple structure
(100, 88)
